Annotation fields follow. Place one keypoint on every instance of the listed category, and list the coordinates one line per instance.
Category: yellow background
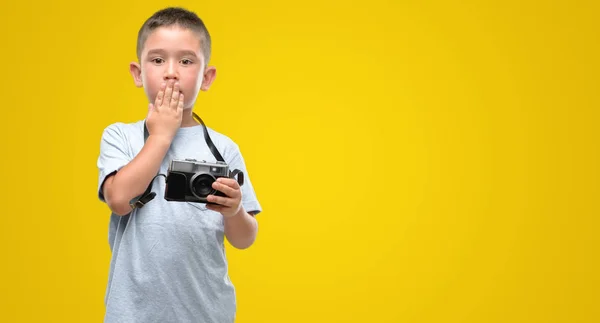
(416, 161)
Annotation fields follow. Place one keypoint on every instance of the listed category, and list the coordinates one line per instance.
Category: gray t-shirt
(168, 259)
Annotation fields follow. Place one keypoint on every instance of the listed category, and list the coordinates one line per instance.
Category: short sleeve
(113, 155)
(249, 199)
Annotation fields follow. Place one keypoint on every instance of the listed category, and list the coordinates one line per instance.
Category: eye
(157, 60)
(186, 61)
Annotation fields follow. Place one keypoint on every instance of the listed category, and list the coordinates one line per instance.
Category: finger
(224, 201)
(160, 95)
(175, 97)
(168, 92)
(229, 182)
(229, 191)
(180, 105)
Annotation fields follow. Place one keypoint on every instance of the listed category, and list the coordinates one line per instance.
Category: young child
(168, 259)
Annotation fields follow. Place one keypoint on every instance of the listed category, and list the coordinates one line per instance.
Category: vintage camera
(189, 180)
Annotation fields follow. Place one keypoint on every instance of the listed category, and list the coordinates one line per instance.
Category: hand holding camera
(165, 115)
(230, 204)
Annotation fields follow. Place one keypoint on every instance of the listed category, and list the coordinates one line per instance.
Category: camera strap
(148, 195)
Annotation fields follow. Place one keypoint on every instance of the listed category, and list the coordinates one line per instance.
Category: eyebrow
(181, 52)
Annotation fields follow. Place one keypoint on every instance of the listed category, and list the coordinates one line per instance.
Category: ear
(210, 73)
(136, 71)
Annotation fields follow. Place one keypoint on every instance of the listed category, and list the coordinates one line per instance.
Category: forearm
(241, 229)
(133, 179)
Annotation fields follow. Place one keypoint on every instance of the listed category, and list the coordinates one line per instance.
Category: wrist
(163, 141)
(239, 214)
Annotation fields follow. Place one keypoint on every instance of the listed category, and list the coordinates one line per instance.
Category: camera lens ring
(201, 185)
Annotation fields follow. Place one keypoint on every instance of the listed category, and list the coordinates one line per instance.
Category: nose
(171, 71)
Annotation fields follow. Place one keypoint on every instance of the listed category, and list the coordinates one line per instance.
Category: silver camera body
(189, 180)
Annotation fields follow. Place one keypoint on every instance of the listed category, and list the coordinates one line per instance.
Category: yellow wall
(417, 162)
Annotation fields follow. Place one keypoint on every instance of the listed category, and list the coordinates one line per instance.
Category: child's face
(173, 53)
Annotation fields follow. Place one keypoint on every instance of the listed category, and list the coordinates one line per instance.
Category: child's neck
(188, 119)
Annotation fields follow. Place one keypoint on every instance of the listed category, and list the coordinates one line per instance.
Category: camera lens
(202, 185)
